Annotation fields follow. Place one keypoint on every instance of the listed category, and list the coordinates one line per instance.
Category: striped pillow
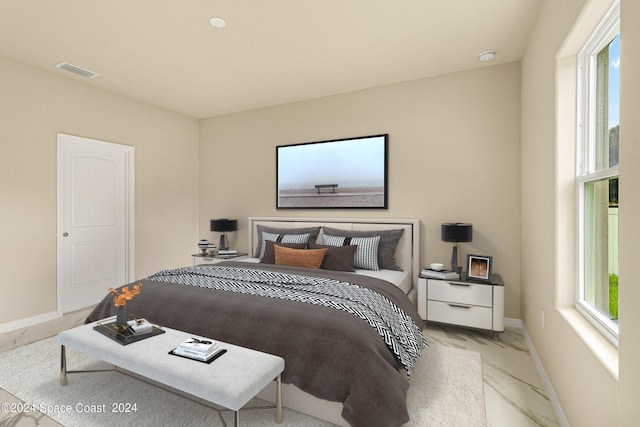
(386, 249)
(366, 256)
(259, 249)
(282, 238)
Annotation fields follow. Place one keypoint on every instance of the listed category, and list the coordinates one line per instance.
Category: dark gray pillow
(339, 258)
(386, 248)
(313, 234)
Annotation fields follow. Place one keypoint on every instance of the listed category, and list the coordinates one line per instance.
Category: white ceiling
(271, 52)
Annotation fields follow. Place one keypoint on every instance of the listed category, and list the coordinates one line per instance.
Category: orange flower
(121, 297)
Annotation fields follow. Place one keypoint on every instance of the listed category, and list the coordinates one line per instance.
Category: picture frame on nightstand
(479, 268)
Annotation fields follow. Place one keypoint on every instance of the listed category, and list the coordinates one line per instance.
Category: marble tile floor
(514, 393)
(10, 416)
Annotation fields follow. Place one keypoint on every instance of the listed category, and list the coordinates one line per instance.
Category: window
(597, 175)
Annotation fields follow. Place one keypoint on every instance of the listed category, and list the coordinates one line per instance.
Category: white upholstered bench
(229, 381)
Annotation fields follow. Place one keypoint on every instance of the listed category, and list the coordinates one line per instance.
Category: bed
(350, 339)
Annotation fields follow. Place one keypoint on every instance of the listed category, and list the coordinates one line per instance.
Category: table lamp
(223, 226)
(456, 232)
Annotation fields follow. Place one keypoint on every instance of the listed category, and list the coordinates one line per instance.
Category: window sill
(602, 348)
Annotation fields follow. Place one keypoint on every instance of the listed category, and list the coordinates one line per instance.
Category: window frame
(586, 168)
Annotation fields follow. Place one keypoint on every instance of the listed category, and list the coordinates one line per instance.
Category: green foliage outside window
(613, 296)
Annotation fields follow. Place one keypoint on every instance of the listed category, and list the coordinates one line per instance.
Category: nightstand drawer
(460, 314)
(460, 292)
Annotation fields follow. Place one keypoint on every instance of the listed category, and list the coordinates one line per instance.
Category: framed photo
(479, 267)
(343, 173)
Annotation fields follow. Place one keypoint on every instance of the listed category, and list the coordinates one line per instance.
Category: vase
(122, 317)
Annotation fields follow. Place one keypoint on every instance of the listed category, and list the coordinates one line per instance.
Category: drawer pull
(459, 306)
(459, 284)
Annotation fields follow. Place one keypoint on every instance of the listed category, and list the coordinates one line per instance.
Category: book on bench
(198, 349)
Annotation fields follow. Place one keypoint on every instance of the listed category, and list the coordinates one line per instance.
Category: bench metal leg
(63, 366)
(236, 418)
(64, 371)
(279, 400)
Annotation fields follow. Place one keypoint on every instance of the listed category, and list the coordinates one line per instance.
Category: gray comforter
(329, 353)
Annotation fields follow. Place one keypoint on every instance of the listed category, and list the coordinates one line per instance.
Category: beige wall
(629, 386)
(453, 156)
(481, 146)
(34, 106)
(582, 366)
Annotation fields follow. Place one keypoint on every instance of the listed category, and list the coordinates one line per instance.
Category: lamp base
(224, 242)
(454, 260)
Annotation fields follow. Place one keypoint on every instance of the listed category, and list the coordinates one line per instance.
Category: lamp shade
(456, 232)
(224, 225)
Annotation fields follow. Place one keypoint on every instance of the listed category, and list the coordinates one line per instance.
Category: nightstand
(463, 302)
(214, 259)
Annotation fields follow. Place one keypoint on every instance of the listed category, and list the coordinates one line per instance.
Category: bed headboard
(407, 251)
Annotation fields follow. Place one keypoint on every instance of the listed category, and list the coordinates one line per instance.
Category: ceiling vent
(76, 70)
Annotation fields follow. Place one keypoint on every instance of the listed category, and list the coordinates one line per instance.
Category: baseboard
(28, 321)
(553, 398)
(27, 330)
(513, 323)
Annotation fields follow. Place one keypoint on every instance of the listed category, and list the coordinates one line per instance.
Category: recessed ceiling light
(487, 55)
(217, 22)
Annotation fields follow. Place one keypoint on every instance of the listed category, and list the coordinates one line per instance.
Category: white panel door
(94, 221)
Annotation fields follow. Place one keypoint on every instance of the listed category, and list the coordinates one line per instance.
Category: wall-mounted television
(341, 173)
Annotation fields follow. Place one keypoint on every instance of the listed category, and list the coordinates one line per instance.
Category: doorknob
(65, 234)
